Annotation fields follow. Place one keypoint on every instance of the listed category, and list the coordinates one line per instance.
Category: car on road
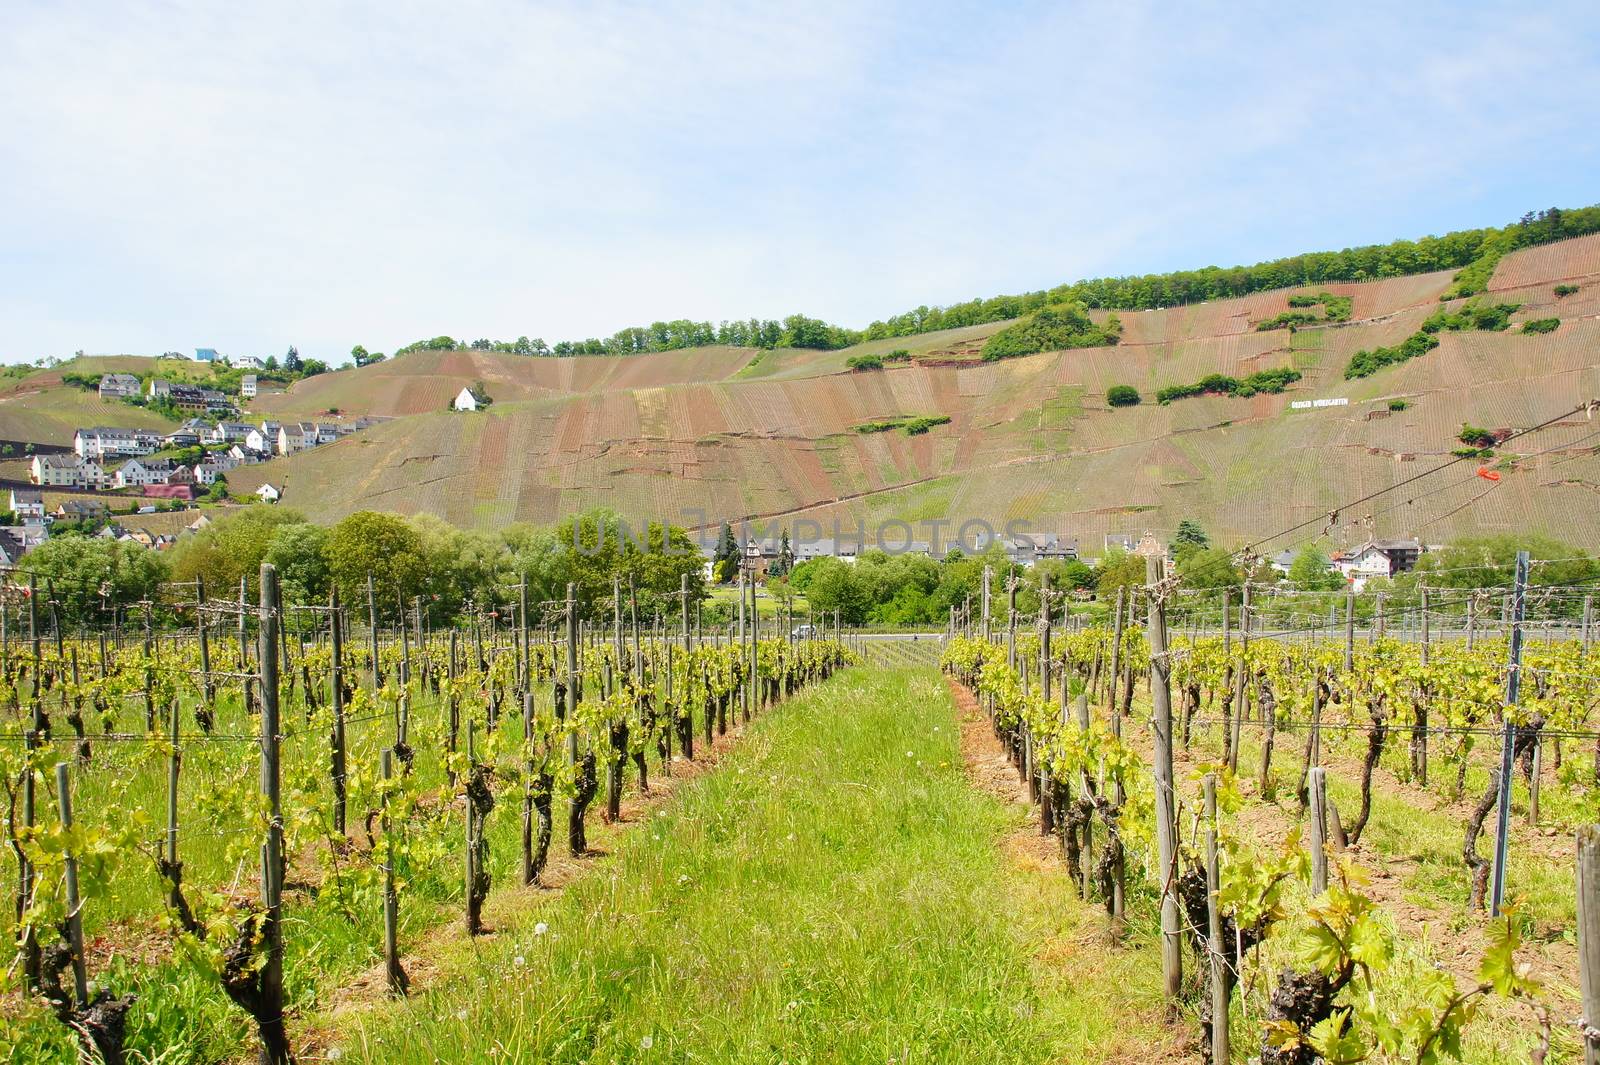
(804, 632)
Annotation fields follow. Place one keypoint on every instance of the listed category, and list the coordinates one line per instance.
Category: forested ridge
(1474, 252)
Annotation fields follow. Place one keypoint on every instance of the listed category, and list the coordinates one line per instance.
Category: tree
(725, 570)
(1312, 570)
(362, 357)
(1209, 567)
(1189, 538)
(298, 550)
(85, 566)
(292, 361)
(657, 558)
(231, 548)
(1122, 396)
(1480, 562)
(727, 551)
(785, 560)
(832, 585)
(382, 545)
(1118, 569)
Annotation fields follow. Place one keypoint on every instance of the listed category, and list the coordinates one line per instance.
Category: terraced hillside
(773, 435)
(43, 409)
(736, 433)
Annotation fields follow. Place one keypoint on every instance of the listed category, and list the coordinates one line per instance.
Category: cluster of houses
(33, 521)
(761, 554)
(1357, 565)
(183, 396)
(108, 457)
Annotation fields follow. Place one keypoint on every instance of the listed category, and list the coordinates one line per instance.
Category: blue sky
(247, 176)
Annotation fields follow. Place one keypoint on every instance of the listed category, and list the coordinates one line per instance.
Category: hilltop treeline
(1474, 252)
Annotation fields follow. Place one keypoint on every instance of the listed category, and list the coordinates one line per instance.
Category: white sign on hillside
(1307, 404)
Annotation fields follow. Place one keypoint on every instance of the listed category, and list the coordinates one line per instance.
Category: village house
(464, 400)
(28, 505)
(247, 362)
(1377, 558)
(57, 471)
(82, 509)
(118, 386)
(189, 397)
(136, 473)
(102, 442)
(229, 432)
(188, 434)
(296, 436)
(247, 386)
(269, 493)
(246, 455)
(11, 549)
(213, 466)
(206, 355)
(28, 536)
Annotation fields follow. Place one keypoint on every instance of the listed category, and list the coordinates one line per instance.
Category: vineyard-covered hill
(741, 433)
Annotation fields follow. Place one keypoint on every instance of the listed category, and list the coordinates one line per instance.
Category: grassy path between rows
(836, 891)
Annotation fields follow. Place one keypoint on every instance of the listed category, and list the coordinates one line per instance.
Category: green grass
(834, 892)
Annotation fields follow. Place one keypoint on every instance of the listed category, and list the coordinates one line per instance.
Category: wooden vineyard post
(337, 740)
(1241, 686)
(207, 688)
(988, 575)
(25, 870)
(244, 642)
(474, 830)
(1502, 836)
(372, 635)
(1419, 742)
(1219, 973)
(391, 901)
(1116, 655)
(744, 689)
(1044, 636)
(524, 663)
(80, 972)
(1589, 939)
(1350, 629)
(275, 1040)
(687, 736)
(1011, 622)
(1166, 813)
(174, 764)
(1317, 786)
(570, 710)
(1588, 616)
(527, 788)
(755, 635)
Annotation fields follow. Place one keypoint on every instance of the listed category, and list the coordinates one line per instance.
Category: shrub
(918, 426)
(1541, 325)
(1472, 315)
(1565, 290)
(1473, 452)
(1398, 405)
(864, 362)
(1366, 363)
(1334, 309)
(1122, 396)
(898, 355)
(1273, 381)
(913, 425)
(1056, 328)
(1475, 436)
